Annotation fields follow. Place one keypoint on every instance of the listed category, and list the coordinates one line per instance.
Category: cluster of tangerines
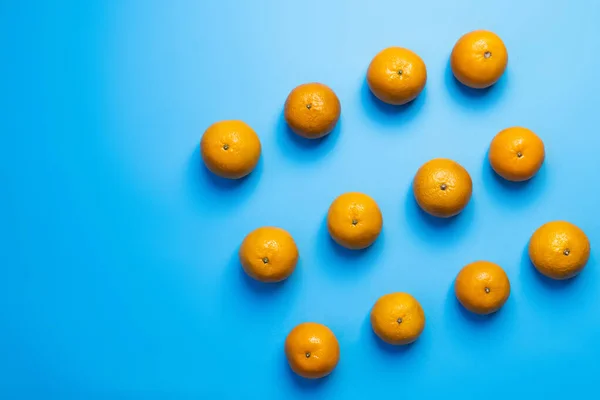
(441, 187)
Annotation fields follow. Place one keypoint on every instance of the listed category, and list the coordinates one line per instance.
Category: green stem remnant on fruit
(354, 222)
(487, 54)
(399, 320)
(225, 147)
(567, 252)
(519, 154)
(307, 354)
(309, 105)
(443, 186)
(400, 72)
(487, 289)
(266, 260)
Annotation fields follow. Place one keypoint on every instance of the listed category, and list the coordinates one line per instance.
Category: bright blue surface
(119, 268)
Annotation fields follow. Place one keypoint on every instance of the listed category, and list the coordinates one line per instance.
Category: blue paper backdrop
(119, 273)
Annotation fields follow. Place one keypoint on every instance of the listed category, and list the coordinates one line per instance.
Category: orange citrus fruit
(268, 254)
(230, 149)
(442, 187)
(482, 287)
(397, 318)
(396, 75)
(354, 220)
(312, 110)
(312, 350)
(516, 154)
(479, 59)
(559, 249)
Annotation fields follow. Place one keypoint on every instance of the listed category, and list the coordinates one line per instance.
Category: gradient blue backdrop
(119, 273)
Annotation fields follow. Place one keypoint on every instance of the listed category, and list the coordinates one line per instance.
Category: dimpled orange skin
(442, 187)
(312, 110)
(470, 64)
(398, 318)
(354, 220)
(268, 254)
(312, 350)
(516, 154)
(396, 75)
(482, 287)
(230, 149)
(559, 250)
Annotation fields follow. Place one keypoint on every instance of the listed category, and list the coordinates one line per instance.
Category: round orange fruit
(442, 187)
(516, 154)
(354, 220)
(312, 110)
(482, 287)
(559, 249)
(479, 59)
(230, 149)
(312, 350)
(398, 318)
(268, 254)
(396, 75)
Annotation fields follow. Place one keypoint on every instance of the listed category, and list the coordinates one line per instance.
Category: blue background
(119, 272)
